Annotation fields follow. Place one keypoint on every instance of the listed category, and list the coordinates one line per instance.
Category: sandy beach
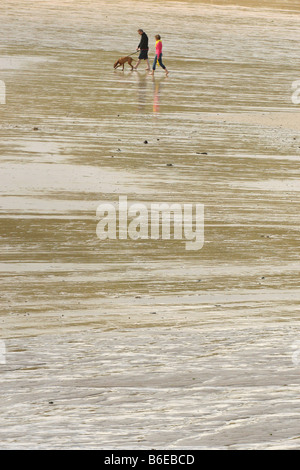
(142, 344)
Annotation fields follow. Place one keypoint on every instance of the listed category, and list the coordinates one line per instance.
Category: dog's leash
(128, 55)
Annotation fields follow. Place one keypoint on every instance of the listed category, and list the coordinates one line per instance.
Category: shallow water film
(138, 342)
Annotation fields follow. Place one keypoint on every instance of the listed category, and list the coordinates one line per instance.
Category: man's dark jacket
(143, 45)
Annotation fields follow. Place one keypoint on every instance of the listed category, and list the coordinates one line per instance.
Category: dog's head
(116, 63)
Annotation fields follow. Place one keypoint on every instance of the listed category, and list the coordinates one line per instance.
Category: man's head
(140, 31)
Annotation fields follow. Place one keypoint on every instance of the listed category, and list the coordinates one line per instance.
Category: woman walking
(158, 55)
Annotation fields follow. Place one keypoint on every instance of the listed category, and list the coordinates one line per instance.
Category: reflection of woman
(156, 97)
(158, 55)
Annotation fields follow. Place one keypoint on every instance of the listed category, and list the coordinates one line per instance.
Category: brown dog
(123, 61)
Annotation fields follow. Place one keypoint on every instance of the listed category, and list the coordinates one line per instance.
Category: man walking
(143, 48)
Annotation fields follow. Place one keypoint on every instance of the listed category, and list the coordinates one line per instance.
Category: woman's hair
(157, 37)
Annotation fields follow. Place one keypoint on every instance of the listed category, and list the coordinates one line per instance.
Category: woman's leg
(154, 63)
(153, 66)
(160, 62)
(162, 65)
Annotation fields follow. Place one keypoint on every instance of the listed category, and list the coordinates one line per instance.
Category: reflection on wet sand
(142, 92)
(157, 94)
(143, 82)
(123, 343)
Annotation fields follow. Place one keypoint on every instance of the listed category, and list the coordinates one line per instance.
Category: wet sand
(142, 344)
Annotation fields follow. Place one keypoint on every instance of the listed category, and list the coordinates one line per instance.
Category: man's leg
(137, 64)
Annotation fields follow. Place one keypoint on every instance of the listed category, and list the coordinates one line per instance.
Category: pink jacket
(158, 48)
